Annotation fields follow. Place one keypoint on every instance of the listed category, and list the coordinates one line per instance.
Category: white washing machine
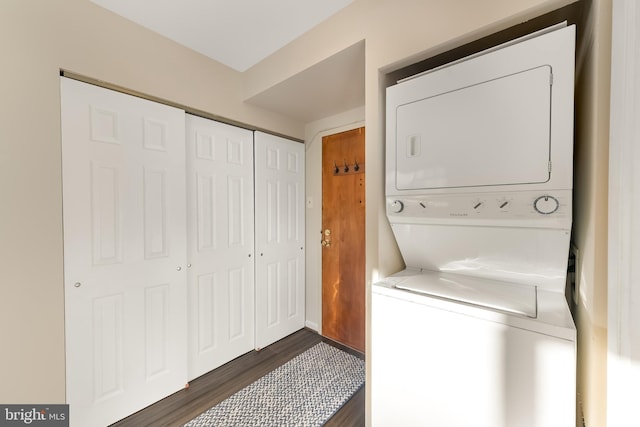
(476, 331)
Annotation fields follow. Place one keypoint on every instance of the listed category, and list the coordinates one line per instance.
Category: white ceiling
(237, 33)
(240, 33)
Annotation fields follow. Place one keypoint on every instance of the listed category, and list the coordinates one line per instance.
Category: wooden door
(124, 252)
(343, 238)
(220, 243)
(280, 233)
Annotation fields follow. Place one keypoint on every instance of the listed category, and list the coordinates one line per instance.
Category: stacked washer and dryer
(476, 331)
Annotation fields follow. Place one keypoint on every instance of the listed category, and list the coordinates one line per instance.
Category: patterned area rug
(305, 391)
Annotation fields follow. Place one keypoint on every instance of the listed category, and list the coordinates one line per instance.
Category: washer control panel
(524, 205)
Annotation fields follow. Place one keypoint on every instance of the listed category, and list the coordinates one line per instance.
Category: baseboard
(312, 325)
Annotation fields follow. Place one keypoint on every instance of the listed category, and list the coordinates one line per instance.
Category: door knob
(326, 241)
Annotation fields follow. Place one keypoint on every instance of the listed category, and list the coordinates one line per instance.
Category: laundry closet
(477, 330)
(183, 247)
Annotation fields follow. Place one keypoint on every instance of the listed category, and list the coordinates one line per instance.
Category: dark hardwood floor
(215, 386)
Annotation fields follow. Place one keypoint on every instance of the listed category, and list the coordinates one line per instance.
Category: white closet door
(124, 252)
(220, 222)
(280, 286)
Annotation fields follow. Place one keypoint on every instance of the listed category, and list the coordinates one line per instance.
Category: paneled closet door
(220, 242)
(280, 222)
(124, 252)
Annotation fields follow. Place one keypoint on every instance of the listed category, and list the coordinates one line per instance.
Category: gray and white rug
(305, 391)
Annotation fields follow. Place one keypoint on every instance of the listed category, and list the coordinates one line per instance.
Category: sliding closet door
(124, 252)
(220, 242)
(280, 286)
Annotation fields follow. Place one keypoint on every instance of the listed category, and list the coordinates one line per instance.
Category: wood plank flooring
(215, 386)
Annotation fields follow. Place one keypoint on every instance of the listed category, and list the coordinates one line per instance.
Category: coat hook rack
(347, 169)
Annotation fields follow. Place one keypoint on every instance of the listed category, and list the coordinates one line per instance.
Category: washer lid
(497, 295)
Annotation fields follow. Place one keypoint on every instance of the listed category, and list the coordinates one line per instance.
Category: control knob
(546, 204)
(396, 206)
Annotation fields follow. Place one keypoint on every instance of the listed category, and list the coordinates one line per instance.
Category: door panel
(220, 223)
(106, 228)
(124, 246)
(280, 285)
(343, 237)
(155, 214)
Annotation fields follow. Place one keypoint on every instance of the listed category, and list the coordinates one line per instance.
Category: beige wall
(38, 37)
(397, 34)
(590, 236)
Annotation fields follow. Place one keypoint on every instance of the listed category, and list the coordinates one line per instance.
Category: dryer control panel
(526, 206)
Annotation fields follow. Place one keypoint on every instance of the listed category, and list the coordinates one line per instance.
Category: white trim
(312, 325)
(314, 132)
(623, 361)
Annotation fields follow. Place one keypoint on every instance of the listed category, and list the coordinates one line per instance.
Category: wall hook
(337, 169)
(346, 166)
(356, 166)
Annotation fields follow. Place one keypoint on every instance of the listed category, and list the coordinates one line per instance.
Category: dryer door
(495, 132)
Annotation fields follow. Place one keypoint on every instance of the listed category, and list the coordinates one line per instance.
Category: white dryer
(476, 330)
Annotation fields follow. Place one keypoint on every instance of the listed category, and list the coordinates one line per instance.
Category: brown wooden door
(343, 238)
